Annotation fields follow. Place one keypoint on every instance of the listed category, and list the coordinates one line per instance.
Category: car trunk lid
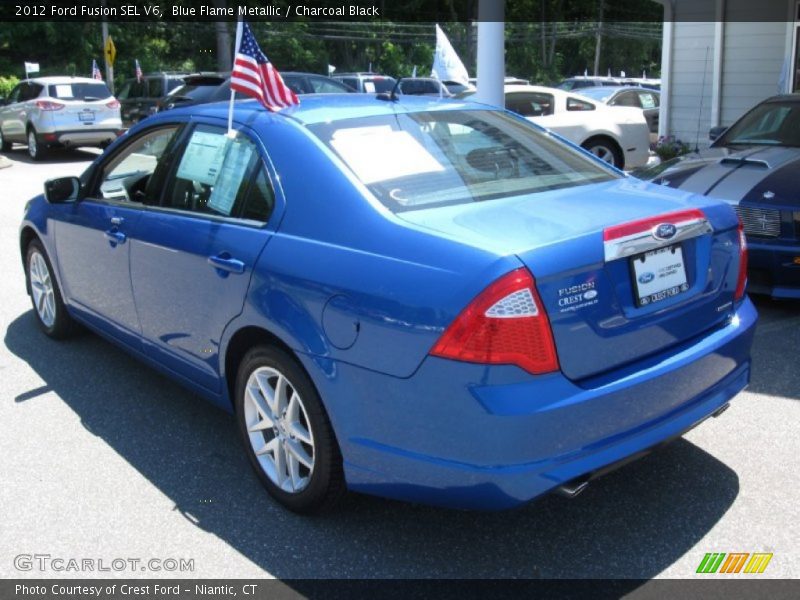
(613, 292)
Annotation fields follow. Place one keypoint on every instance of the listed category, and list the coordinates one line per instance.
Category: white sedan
(618, 135)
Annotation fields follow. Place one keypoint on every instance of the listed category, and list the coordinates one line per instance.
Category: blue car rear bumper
(470, 436)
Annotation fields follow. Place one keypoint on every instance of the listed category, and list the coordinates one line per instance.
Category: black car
(755, 165)
(138, 97)
(215, 87)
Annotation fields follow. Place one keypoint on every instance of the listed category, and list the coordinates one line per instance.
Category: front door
(93, 236)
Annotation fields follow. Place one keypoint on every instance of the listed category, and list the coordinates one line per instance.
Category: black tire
(62, 326)
(601, 145)
(325, 484)
(36, 150)
(5, 145)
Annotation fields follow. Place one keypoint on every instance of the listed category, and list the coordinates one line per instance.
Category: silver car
(47, 112)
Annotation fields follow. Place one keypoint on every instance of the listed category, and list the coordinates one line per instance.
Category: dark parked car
(139, 98)
(369, 83)
(215, 87)
(648, 100)
(427, 300)
(423, 86)
(755, 166)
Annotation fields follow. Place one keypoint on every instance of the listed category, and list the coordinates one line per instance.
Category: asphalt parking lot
(102, 458)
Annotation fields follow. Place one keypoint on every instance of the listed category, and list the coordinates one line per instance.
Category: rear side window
(426, 159)
(29, 91)
(575, 104)
(217, 175)
(79, 91)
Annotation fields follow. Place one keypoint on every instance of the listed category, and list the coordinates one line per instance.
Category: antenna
(391, 96)
(702, 95)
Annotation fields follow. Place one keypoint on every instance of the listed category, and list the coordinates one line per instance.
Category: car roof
(62, 79)
(319, 108)
(795, 97)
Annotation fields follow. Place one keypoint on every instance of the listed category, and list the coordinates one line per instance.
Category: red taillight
(741, 282)
(47, 105)
(504, 324)
(113, 104)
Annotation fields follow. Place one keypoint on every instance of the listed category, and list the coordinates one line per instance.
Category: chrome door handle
(117, 220)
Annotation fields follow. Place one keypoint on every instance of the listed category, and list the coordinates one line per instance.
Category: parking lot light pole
(491, 52)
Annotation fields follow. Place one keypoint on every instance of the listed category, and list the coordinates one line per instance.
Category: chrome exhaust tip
(572, 488)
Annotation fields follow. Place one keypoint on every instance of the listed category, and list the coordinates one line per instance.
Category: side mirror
(61, 190)
(715, 132)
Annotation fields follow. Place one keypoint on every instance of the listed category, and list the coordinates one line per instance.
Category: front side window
(128, 176)
(320, 85)
(535, 104)
(626, 99)
(426, 159)
(14, 95)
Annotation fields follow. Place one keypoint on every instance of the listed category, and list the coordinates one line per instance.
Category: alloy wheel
(279, 430)
(42, 289)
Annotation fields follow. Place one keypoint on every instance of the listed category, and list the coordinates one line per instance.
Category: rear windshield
(195, 92)
(426, 159)
(79, 91)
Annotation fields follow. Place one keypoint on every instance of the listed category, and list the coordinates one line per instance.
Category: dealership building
(721, 57)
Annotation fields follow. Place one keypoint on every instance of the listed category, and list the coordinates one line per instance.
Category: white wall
(748, 38)
(690, 95)
(753, 57)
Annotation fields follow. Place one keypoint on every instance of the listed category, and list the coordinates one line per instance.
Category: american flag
(138, 71)
(255, 76)
(96, 74)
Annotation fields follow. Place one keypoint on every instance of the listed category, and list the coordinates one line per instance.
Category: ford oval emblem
(647, 277)
(664, 231)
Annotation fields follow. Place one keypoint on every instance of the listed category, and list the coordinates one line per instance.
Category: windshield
(79, 91)
(419, 160)
(769, 124)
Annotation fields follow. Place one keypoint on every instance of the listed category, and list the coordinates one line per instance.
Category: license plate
(658, 275)
(86, 116)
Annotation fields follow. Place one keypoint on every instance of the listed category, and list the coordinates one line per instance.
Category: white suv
(47, 112)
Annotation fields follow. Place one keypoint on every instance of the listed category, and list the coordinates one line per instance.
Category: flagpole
(231, 132)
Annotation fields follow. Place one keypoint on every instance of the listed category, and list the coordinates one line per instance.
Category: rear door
(193, 256)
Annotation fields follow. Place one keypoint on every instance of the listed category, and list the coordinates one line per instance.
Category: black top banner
(574, 11)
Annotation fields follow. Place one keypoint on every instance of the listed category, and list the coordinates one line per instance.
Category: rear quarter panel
(345, 279)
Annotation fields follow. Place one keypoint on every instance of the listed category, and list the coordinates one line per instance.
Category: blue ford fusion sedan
(428, 300)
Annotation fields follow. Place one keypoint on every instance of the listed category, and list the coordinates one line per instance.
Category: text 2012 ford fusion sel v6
(426, 300)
